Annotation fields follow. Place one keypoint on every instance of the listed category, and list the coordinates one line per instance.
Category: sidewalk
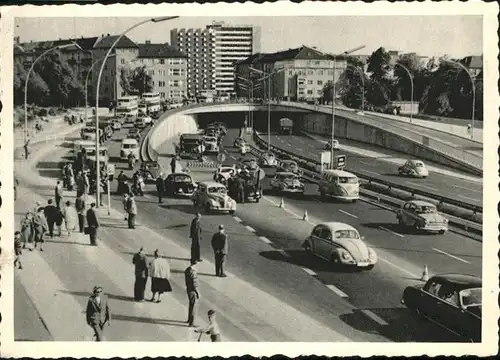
(245, 313)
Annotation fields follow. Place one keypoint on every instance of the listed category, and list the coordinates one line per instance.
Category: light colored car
(244, 148)
(341, 244)
(117, 125)
(289, 166)
(422, 215)
(129, 146)
(287, 182)
(223, 173)
(211, 145)
(415, 168)
(336, 145)
(147, 119)
(212, 196)
(268, 159)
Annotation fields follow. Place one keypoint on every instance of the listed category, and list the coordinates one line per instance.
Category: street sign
(325, 160)
(340, 161)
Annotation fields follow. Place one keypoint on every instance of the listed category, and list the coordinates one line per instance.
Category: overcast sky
(457, 36)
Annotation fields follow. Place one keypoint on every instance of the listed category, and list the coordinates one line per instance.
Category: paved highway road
(441, 184)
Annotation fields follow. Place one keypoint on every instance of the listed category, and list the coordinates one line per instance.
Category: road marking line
(369, 172)
(266, 240)
(251, 229)
(299, 149)
(392, 232)
(289, 144)
(466, 197)
(375, 317)
(464, 188)
(422, 185)
(348, 214)
(367, 163)
(452, 256)
(232, 157)
(282, 141)
(400, 268)
(282, 252)
(237, 219)
(309, 271)
(312, 146)
(337, 291)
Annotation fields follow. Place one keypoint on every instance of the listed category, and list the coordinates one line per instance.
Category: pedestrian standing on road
(93, 224)
(212, 329)
(80, 182)
(469, 129)
(70, 217)
(159, 270)
(58, 191)
(125, 203)
(26, 149)
(219, 245)
(193, 293)
(195, 234)
(160, 187)
(98, 313)
(80, 207)
(173, 164)
(51, 214)
(141, 274)
(18, 249)
(70, 177)
(27, 230)
(59, 221)
(40, 225)
(86, 183)
(131, 211)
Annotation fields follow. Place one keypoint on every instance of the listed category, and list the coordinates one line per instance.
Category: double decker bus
(127, 106)
(152, 101)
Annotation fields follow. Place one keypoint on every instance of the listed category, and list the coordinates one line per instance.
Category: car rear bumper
(433, 228)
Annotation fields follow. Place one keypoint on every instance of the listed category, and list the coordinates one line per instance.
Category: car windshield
(419, 164)
(346, 234)
(226, 170)
(426, 209)
(347, 180)
(87, 130)
(471, 297)
(288, 165)
(288, 177)
(268, 155)
(132, 131)
(183, 178)
(217, 190)
(210, 139)
(129, 146)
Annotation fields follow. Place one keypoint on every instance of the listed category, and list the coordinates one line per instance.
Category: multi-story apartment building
(165, 64)
(211, 53)
(300, 73)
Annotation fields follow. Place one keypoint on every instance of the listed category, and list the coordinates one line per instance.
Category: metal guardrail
(311, 169)
(467, 157)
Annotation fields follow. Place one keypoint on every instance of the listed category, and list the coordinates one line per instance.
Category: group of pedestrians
(157, 269)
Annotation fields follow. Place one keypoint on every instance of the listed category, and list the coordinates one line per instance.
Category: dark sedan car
(179, 184)
(150, 170)
(452, 301)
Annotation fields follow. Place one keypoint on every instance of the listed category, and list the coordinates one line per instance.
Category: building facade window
(122, 61)
(320, 82)
(310, 72)
(162, 61)
(320, 72)
(162, 95)
(309, 82)
(309, 92)
(161, 83)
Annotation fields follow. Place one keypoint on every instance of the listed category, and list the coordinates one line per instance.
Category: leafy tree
(38, 90)
(403, 82)
(125, 78)
(353, 80)
(379, 64)
(136, 81)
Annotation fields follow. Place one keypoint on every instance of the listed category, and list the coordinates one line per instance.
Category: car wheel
(231, 212)
(257, 200)
(441, 232)
(369, 267)
(307, 247)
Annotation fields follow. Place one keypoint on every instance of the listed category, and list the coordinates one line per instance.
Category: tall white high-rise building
(212, 53)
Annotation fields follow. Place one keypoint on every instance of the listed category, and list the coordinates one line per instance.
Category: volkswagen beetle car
(289, 166)
(212, 196)
(452, 301)
(211, 146)
(223, 173)
(249, 162)
(287, 182)
(179, 184)
(341, 244)
(415, 168)
(422, 215)
(238, 142)
(150, 170)
(117, 125)
(336, 145)
(134, 134)
(268, 159)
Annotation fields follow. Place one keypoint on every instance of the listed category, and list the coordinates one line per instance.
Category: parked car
(150, 170)
(415, 168)
(452, 301)
(336, 145)
(238, 142)
(422, 215)
(268, 159)
(134, 134)
(223, 173)
(180, 184)
(212, 196)
(289, 166)
(117, 125)
(211, 146)
(129, 146)
(287, 182)
(341, 244)
(247, 162)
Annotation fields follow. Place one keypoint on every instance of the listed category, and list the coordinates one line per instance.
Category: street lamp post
(473, 83)
(86, 84)
(28, 77)
(411, 84)
(98, 177)
(361, 74)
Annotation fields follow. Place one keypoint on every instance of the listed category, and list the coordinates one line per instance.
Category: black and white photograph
(308, 176)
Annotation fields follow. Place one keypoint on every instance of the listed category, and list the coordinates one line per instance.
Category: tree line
(440, 88)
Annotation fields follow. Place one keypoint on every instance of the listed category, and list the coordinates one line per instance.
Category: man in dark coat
(195, 235)
(98, 313)
(51, 214)
(80, 182)
(173, 164)
(141, 274)
(219, 245)
(26, 149)
(160, 187)
(193, 293)
(93, 224)
(80, 209)
(240, 188)
(58, 192)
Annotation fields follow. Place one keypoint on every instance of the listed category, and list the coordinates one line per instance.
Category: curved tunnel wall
(170, 127)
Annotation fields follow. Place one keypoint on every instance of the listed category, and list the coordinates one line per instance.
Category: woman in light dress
(159, 271)
(70, 217)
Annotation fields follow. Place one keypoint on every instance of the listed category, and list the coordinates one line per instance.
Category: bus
(339, 184)
(152, 101)
(127, 106)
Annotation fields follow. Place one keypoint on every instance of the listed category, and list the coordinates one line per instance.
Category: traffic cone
(425, 274)
(305, 217)
(282, 204)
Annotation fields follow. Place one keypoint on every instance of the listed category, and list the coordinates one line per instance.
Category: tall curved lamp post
(86, 84)
(362, 76)
(267, 77)
(155, 20)
(250, 88)
(473, 83)
(59, 47)
(411, 84)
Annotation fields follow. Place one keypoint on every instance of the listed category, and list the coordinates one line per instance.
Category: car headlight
(213, 202)
(445, 221)
(343, 191)
(346, 256)
(426, 221)
(371, 254)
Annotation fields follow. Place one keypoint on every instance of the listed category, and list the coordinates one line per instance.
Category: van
(339, 184)
(129, 146)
